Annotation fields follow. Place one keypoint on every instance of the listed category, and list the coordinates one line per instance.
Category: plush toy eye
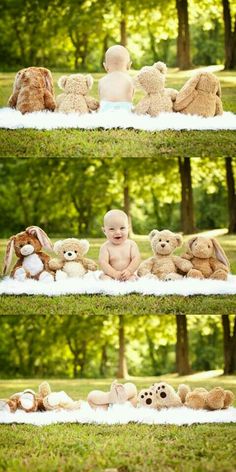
(167, 241)
(209, 246)
(21, 245)
(163, 386)
(150, 393)
(160, 240)
(76, 252)
(64, 252)
(28, 242)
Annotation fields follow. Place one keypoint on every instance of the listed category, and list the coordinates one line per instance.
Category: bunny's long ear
(84, 245)
(89, 80)
(220, 253)
(48, 79)
(41, 235)
(189, 244)
(62, 81)
(8, 255)
(186, 95)
(219, 90)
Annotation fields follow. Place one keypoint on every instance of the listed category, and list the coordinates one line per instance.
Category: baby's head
(116, 226)
(117, 58)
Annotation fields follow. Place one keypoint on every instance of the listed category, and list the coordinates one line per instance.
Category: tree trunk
(127, 199)
(104, 48)
(123, 23)
(183, 40)
(182, 361)
(229, 345)
(230, 36)
(122, 367)
(231, 194)
(103, 363)
(187, 209)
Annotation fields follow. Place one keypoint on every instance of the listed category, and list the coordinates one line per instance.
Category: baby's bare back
(116, 87)
(120, 256)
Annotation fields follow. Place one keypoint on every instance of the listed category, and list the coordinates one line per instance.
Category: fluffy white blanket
(91, 284)
(121, 414)
(13, 119)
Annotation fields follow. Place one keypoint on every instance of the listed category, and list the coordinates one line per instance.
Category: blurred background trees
(74, 34)
(110, 346)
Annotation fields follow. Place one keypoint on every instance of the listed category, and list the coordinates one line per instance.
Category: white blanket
(13, 119)
(91, 284)
(121, 414)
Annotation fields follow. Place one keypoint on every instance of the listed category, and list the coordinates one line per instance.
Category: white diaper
(114, 106)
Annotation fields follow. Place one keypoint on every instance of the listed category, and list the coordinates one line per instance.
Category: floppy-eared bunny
(201, 95)
(74, 97)
(207, 258)
(32, 263)
(33, 90)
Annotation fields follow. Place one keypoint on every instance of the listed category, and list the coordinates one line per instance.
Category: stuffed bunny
(200, 96)
(33, 90)
(32, 263)
(74, 97)
(207, 257)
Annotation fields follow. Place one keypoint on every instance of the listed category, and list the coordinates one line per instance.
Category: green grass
(133, 304)
(124, 448)
(121, 143)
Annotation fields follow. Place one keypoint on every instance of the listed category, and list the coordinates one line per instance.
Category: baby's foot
(20, 274)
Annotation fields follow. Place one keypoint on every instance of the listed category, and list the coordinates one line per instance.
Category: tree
(182, 361)
(229, 345)
(231, 194)
(122, 372)
(230, 36)
(183, 39)
(187, 211)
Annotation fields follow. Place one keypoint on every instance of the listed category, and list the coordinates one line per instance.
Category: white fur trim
(120, 414)
(91, 284)
(13, 119)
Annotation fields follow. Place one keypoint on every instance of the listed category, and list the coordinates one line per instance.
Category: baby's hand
(125, 275)
(117, 275)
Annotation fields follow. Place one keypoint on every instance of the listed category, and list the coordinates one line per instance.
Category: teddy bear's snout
(163, 244)
(27, 249)
(70, 255)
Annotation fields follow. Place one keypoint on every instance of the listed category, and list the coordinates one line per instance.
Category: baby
(119, 257)
(116, 89)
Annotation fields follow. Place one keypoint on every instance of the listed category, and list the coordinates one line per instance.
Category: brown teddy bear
(74, 98)
(164, 265)
(158, 98)
(32, 263)
(200, 398)
(201, 95)
(33, 90)
(44, 400)
(119, 393)
(208, 259)
(71, 261)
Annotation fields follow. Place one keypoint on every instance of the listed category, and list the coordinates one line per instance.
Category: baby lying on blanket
(116, 89)
(119, 257)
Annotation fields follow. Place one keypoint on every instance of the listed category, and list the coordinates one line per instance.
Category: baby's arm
(134, 264)
(106, 266)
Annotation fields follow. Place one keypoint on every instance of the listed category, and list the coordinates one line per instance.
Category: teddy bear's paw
(46, 277)
(195, 274)
(219, 275)
(147, 398)
(173, 276)
(20, 274)
(61, 275)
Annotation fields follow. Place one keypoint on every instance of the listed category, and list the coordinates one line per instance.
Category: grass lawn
(124, 448)
(122, 143)
(133, 304)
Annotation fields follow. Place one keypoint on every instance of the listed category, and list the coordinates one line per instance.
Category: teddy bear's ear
(8, 255)
(84, 246)
(189, 244)
(218, 92)
(62, 81)
(57, 246)
(161, 66)
(89, 81)
(219, 252)
(186, 95)
(179, 240)
(153, 233)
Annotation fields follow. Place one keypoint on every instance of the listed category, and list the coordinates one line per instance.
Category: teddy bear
(158, 98)
(71, 261)
(162, 395)
(215, 399)
(32, 263)
(201, 95)
(33, 90)
(207, 257)
(44, 400)
(119, 393)
(74, 98)
(164, 265)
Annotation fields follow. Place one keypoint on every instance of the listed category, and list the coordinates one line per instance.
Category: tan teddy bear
(74, 98)
(215, 399)
(162, 395)
(208, 259)
(71, 261)
(44, 400)
(201, 95)
(33, 90)
(158, 98)
(164, 265)
(119, 393)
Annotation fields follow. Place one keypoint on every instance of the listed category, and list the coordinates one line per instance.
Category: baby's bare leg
(98, 399)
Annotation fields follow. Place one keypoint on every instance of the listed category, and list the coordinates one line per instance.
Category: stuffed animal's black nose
(149, 401)
(163, 245)
(163, 395)
(69, 253)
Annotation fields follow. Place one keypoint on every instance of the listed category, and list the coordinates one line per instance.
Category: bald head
(115, 215)
(117, 58)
